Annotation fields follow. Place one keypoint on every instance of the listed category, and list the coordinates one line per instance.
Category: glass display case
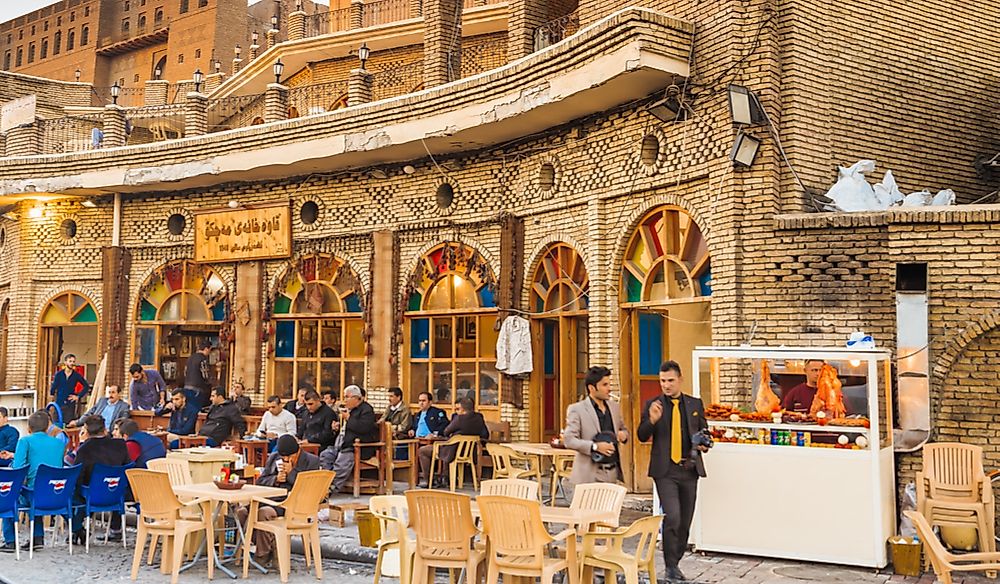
(803, 463)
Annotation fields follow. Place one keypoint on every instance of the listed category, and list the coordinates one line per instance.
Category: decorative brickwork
(359, 87)
(114, 127)
(275, 103)
(195, 114)
(442, 41)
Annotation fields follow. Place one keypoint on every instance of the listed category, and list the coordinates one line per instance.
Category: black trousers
(678, 491)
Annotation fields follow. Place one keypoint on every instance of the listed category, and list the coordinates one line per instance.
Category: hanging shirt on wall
(514, 346)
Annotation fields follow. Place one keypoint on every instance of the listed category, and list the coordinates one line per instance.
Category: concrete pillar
(359, 87)
(275, 103)
(237, 65)
(525, 16)
(296, 25)
(115, 267)
(272, 37)
(442, 41)
(357, 14)
(114, 126)
(213, 81)
(254, 49)
(21, 141)
(382, 368)
(247, 307)
(196, 114)
(156, 92)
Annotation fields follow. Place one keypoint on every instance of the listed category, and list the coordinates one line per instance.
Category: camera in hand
(700, 438)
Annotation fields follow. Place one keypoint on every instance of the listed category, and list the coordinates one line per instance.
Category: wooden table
(192, 441)
(254, 451)
(162, 435)
(217, 499)
(73, 434)
(309, 447)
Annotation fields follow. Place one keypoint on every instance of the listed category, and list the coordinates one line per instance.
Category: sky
(13, 8)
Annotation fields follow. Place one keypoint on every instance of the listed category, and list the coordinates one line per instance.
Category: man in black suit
(670, 420)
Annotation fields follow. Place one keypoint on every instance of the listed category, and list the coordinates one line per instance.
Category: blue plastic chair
(11, 483)
(52, 496)
(105, 493)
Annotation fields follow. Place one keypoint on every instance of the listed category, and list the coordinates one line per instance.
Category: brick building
(480, 167)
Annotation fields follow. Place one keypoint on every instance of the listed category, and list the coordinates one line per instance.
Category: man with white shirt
(277, 421)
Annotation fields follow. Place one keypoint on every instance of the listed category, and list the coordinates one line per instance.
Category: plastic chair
(611, 556)
(517, 488)
(310, 490)
(105, 493)
(519, 542)
(599, 497)
(945, 562)
(160, 516)
(11, 484)
(562, 468)
(393, 517)
(465, 453)
(53, 497)
(179, 471)
(953, 487)
(444, 527)
(508, 464)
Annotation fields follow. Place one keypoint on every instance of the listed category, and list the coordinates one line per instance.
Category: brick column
(359, 87)
(195, 114)
(275, 103)
(114, 126)
(213, 81)
(357, 12)
(237, 65)
(416, 8)
(272, 37)
(296, 25)
(21, 141)
(382, 370)
(156, 92)
(115, 267)
(524, 17)
(442, 41)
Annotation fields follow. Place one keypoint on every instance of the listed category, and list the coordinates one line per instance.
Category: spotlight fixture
(88, 204)
(744, 106)
(116, 90)
(10, 216)
(378, 173)
(198, 78)
(36, 212)
(363, 53)
(669, 109)
(234, 204)
(278, 68)
(744, 150)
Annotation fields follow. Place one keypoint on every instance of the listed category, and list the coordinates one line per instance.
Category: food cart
(796, 486)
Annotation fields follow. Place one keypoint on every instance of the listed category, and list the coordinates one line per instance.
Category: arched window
(20, 57)
(6, 61)
(84, 36)
(57, 42)
(69, 324)
(45, 49)
(158, 16)
(180, 305)
(318, 341)
(450, 341)
(70, 40)
(31, 53)
(559, 298)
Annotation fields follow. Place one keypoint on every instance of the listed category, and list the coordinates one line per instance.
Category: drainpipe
(116, 222)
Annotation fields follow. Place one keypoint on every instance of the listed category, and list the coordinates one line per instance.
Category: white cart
(20, 404)
(822, 504)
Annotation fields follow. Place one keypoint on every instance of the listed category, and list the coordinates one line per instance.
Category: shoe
(39, 542)
(79, 538)
(114, 536)
(8, 547)
(675, 575)
(440, 483)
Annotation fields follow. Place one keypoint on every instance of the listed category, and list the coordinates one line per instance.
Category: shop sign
(17, 112)
(254, 233)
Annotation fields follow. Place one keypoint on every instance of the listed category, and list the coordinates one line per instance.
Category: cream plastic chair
(160, 516)
(444, 527)
(953, 488)
(599, 497)
(611, 556)
(301, 506)
(179, 471)
(562, 468)
(393, 517)
(945, 562)
(508, 464)
(517, 488)
(519, 542)
(465, 453)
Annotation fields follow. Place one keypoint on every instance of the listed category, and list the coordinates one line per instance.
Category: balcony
(131, 40)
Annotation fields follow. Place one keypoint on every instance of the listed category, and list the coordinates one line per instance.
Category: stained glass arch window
(666, 259)
(560, 281)
(183, 292)
(452, 276)
(69, 308)
(318, 284)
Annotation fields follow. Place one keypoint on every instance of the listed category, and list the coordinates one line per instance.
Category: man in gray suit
(594, 425)
(111, 408)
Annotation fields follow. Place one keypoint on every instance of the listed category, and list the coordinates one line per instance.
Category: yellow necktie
(675, 432)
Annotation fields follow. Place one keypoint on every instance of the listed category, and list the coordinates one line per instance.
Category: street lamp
(77, 74)
(218, 66)
(274, 22)
(115, 92)
(363, 53)
(278, 68)
(156, 73)
(253, 37)
(198, 78)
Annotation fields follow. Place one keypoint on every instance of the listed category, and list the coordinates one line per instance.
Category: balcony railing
(373, 13)
(326, 22)
(309, 100)
(556, 30)
(127, 96)
(383, 11)
(70, 134)
(235, 111)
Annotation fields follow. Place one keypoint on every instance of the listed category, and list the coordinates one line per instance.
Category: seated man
(183, 417)
(142, 446)
(8, 439)
(280, 471)
(430, 420)
(360, 424)
(331, 398)
(32, 451)
(318, 423)
(147, 391)
(397, 414)
(297, 406)
(223, 416)
(236, 394)
(110, 408)
(97, 448)
(465, 422)
(276, 421)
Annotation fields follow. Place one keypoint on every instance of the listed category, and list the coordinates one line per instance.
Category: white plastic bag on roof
(887, 192)
(852, 192)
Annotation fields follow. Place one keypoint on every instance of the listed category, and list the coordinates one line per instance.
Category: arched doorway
(318, 341)
(449, 345)
(181, 305)
(69, 324)
(666, 284)
(559, 299)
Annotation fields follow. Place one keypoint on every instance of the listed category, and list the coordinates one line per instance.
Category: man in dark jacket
(281, 469)
(317, 425)
(197, 385)
(429, 420)
(183, 417)
(98, 448)
(142, 446)
(362, 425)
(223, 416)
(465, 422)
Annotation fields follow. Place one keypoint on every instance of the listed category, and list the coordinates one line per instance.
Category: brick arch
(972, 331)
(537, 253)
(642, 210)
(411, 262)
(351, 262)
(965, 402)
